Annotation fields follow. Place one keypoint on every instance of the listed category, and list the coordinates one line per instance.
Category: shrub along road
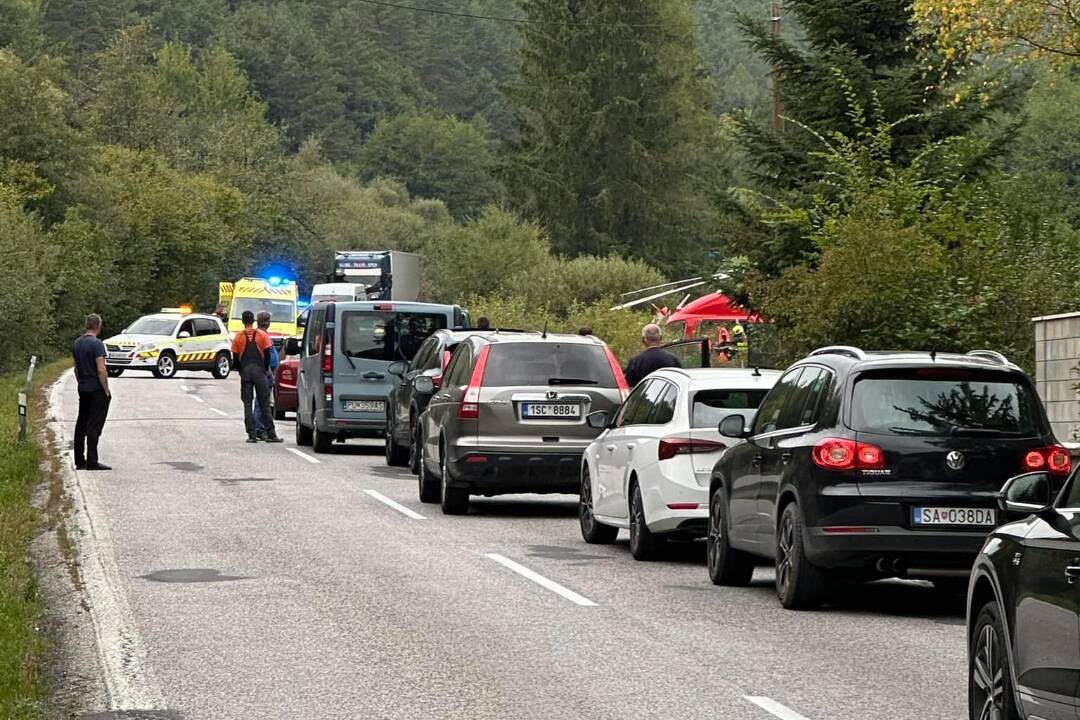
(239, 581)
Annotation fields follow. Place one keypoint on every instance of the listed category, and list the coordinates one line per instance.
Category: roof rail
(990, 355)
(851, 352)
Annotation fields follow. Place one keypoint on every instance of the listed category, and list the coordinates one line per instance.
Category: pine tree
(613, 113)
(79, 29)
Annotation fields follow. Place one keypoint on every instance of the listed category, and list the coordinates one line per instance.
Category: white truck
(383, 274)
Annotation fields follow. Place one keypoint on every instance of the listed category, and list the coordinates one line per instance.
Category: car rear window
(547, 363)
(712, 406)
(945, 401)
(392, 336)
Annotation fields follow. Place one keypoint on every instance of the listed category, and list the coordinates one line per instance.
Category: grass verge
(22, 467)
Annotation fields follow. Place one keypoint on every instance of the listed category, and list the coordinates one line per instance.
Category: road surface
(260, 581)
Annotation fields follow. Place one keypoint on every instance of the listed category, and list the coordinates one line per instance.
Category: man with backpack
(251, 357)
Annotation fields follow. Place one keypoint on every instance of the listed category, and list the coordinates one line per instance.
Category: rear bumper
(896, 550)
(518, 472)
(285, 397)
(349, 427)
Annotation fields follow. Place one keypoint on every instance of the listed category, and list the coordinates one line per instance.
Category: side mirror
(733, 426)
(1027, 494)
(397, 368)
(184, 335)
(292, 346)
(424, 384)
(598, 420)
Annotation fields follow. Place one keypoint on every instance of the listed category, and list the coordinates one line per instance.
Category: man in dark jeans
(251, 356)
(94, 395)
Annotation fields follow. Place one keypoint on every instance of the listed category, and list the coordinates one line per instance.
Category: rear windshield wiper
(571, 381)
(981, 431)
(908, 431)
(348, 356)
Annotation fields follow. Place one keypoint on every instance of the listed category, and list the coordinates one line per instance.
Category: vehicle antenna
(933, 356)
(757, 371)
(543, 335)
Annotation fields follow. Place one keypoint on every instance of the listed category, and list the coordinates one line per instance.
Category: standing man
(94, 395)
(262, 321)
(251, 356)
(652, 358)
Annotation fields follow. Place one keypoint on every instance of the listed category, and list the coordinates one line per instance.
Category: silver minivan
(510, 416)
(345, 354)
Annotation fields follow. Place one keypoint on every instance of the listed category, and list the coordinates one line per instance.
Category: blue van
(345, 354)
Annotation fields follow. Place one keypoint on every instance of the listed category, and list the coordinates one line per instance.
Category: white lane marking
(185, 388)
(222, 413)
(541, 580)
(396, 505)
(304, 455)
(197, 399)
(129, 682)
(774, 708)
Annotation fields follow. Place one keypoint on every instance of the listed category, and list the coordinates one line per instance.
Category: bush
(26, 324)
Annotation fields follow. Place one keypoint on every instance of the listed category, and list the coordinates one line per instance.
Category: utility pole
(778, 107)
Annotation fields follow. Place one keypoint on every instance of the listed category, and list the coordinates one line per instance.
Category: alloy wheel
(166, 366)
(988, 674)
(713, 539)
(223, 366)
(785, 541)
(586, 509)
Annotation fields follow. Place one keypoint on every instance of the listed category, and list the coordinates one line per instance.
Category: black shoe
(253, 438)
(273, 439)
(98, 466)
(80, 466)
(263, 437)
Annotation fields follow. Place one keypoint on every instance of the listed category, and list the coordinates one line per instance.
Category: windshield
(712, 406)
(544, 363)
(387, 336)
(153, 326)
(282, 311)
(945, 401)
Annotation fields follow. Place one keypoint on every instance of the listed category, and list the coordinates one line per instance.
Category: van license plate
(551, 411)
(978, 517)
(365, 406)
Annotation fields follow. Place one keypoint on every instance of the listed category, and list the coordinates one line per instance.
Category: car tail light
(1055, 459)
(616, 370)
(445, 359)
(328, 357)
(436, 380)
(670, 447)
(384, 308)
(470, 405)
(842, 454)
(328, 392)
(286, 374)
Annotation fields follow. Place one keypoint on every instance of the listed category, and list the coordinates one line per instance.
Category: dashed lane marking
(222, 413)
(197, 399)
(396, 505)
(303, 455)
(185, 388)
(541, 580)
(774, 708)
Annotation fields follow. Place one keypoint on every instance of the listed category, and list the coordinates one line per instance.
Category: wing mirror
(424, 384)
(184, 335)
(598, 420)
(733, 426)
(292, 346)
(397, 368)
(1027, 494)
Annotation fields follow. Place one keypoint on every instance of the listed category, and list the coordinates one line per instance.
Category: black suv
(1023, 621)
(872, 465)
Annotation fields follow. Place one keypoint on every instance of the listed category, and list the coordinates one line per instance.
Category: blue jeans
(261, 424)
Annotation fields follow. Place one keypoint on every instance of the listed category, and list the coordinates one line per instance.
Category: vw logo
(955, 460)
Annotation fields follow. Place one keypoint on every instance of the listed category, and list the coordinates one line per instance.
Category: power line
(493, 18)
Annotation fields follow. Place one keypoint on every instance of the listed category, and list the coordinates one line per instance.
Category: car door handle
(609, 448)
(1072, 572)
(785, 458)
(373, 376)
(757, 461)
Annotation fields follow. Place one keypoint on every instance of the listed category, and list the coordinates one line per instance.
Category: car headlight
(144, 347)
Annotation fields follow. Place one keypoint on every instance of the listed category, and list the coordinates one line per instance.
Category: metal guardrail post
(24, 395)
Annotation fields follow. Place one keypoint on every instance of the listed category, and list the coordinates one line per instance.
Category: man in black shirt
(651, 359)
(94, 395)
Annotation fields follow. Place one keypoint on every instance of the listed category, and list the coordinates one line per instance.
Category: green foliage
(25, 322)
(20, 27)
(436, 157)
(80, 29)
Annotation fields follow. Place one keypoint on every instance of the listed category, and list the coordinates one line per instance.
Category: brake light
(328, 392)
(842, 454)
(286, 374)
(445, 359)
(1055, 459)
(470, 405)
(616, 370)
(328, 357)
(436, 380)
(670, 447)
(384, 308)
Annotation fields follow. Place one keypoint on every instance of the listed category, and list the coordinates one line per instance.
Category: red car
(285, 385)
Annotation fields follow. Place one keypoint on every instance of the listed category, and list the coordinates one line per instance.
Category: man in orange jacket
(251, 357)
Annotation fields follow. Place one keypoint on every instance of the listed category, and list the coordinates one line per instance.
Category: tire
(414, 451)
(165, 368)
(321, 442)
(429, 485)
(396, 456)
(727, 566)
(592, 531)
(279, 414)
(988, 669)
(799, 584)
(222, 366)
(115, 372)
(644, 544)
(455, 501)
(303, 433)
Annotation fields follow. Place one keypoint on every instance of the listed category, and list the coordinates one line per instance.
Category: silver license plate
(365, 406)
(936, 516)
(551, 411)
(118, 356)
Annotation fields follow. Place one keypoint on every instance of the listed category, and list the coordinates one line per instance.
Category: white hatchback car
(649, 470)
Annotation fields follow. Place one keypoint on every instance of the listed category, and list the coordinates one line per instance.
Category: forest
(543, 156)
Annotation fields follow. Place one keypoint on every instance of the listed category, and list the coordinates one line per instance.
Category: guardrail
(23, 397)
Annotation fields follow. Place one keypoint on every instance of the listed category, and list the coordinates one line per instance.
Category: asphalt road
(257, 581)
